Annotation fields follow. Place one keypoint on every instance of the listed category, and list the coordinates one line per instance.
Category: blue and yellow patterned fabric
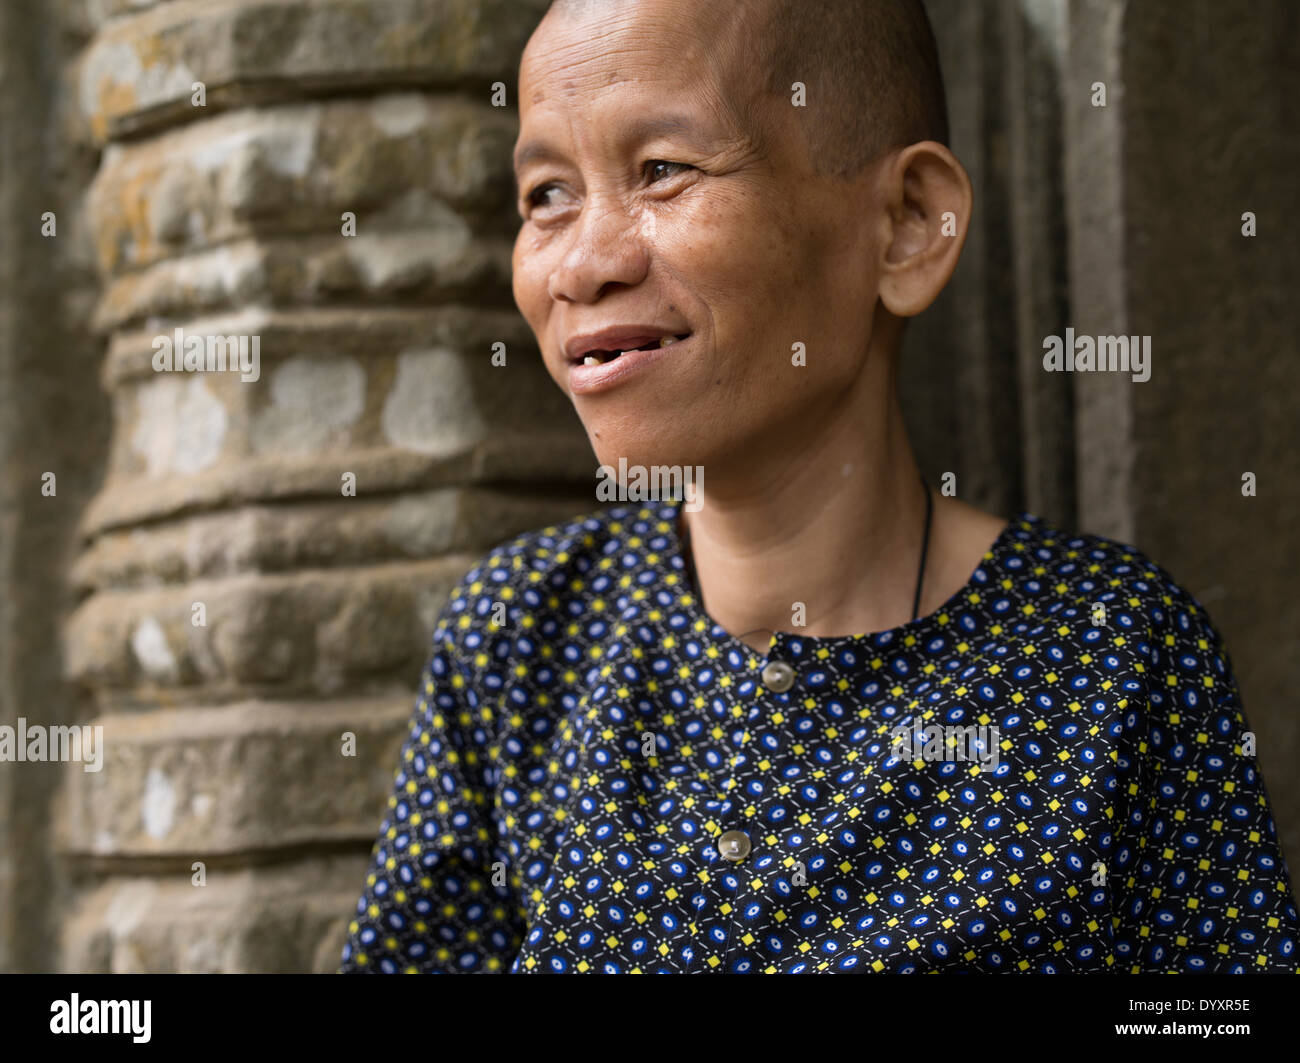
(1050, 773)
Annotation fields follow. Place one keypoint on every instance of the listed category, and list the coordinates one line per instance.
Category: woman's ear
(928, 197)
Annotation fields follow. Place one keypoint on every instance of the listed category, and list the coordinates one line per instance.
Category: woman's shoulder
(521, 581)
(1120, 584)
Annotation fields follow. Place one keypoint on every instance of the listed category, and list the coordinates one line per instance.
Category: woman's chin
(645, 454)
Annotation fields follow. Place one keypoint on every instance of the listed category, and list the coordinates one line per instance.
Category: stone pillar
(265, 562)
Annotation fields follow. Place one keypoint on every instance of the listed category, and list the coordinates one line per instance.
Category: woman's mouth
(603, 357)
(602, 370)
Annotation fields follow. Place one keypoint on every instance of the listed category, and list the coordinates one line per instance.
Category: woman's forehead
(596, 44)
(658, 64)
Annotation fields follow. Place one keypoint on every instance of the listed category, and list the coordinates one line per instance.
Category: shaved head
(870, 67)
(872, 72)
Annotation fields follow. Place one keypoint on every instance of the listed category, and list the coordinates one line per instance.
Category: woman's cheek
(742, 253)
(528, 280)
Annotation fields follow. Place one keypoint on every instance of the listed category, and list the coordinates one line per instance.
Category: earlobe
(930, 201)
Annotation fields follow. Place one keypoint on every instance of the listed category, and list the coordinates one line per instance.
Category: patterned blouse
(1052, 772)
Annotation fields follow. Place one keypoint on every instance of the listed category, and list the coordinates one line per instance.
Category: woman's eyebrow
(636, 131)
(531, 150)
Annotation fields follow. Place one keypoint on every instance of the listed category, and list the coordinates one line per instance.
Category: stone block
(139, 72)
(299, 633)
(233, 783)
(404, 164)
(286, 919)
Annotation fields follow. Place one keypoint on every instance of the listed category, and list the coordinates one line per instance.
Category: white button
(778, 676)
(734, 845)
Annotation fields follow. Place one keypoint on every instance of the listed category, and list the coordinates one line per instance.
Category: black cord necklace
(920, 575)
(925, 546)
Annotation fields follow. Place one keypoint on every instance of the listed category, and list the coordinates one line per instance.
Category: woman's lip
(590, 379)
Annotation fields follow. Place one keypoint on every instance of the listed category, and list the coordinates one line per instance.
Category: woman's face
(662, 196)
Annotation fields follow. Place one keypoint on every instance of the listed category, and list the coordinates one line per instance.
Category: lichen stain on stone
(108, 77)
(432, 408)
(394, 259)
(400, 114)
(125, 237)
(180, 425)
(149, 644)
(284, 143)
(120, 77)
(158, 806)
(313, 403)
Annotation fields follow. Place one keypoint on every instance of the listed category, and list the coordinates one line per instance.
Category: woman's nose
(607, 248)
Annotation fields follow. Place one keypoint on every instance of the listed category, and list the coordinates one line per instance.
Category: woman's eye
(537, 197)
(658, 169)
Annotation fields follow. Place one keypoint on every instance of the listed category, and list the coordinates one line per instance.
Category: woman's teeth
(601, 357)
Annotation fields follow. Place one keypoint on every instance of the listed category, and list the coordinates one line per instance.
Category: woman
(811, 716)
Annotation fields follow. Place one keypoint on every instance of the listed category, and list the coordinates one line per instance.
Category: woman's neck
(829, 545)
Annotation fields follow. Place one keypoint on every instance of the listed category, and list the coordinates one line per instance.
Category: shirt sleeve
(1200, 884)
(437, 897)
